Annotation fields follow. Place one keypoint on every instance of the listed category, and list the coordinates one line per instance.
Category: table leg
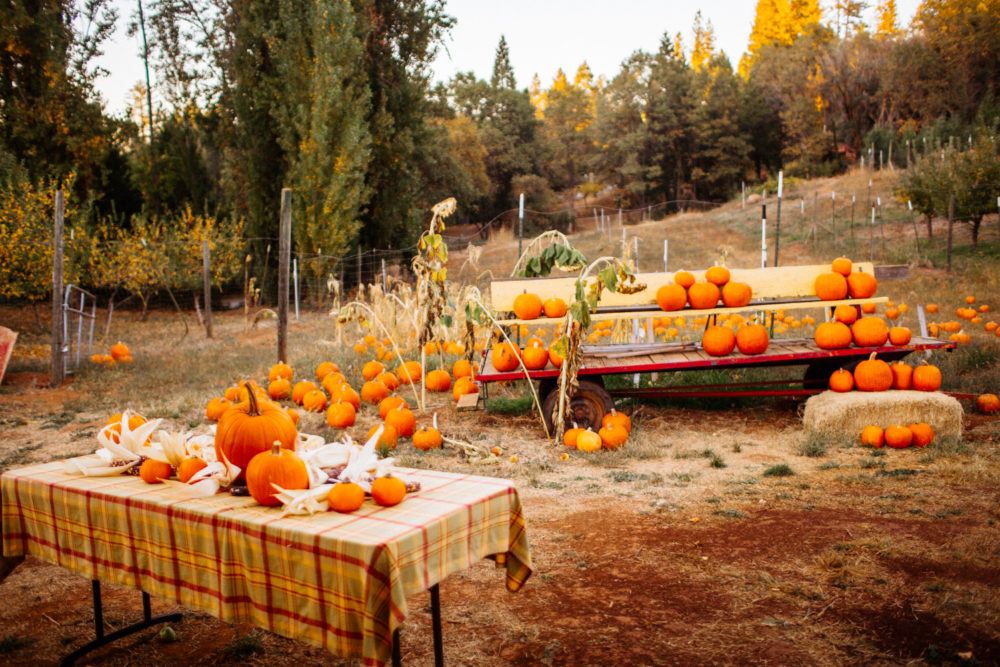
(397, 652)
(436, 624)
(101, 639)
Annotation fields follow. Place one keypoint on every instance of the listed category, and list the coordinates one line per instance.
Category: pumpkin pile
(117, 354)
(507, 357)
(703, 295)
(614, 433)
(897, 436)
(874, 374)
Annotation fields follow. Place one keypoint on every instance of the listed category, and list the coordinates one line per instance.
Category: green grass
(814, 446)
(779, 470)
(520, 405)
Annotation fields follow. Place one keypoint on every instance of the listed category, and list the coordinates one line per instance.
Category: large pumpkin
(671, 297)
(535, 356)
(752, 338)
(898, 437)
(832, 336)
(873, 375)
(861, 285)
(276, 466)
(736, 295)
(403, 420)
(702, 296)
(505, 357)
(926, 378)
(830, 286)
(870, 332)
(718, 341)
(527, 306)
(252, 427)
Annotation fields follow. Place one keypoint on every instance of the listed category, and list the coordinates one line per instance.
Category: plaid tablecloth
(339, 581)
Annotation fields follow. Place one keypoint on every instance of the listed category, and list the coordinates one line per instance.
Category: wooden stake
(58, 362)
(206, 277)
(951, 224)
(284, 260)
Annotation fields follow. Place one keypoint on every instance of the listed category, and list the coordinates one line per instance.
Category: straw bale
(844, 415)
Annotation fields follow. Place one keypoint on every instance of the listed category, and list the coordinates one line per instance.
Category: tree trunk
(975, 230)
(930, 226)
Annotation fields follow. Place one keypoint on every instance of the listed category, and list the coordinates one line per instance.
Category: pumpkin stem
(276, 448)
(254, 410)
(872, 356)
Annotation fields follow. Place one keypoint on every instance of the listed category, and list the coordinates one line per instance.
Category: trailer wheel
(587, 407)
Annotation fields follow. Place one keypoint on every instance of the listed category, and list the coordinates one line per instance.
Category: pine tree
(886, 24)
(503, 72)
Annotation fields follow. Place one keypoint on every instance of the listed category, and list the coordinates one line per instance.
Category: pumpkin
(314, 401)
(702, 296)
(401, 419)
(717, 275)
(332, 381)
(868, 308)
(588, 441)
(388, 491)
(554, 307)
(899, 335)
(615, 418)
(389, 379)
(931, 308)
(984, 308)
(252, 427)
(389, 437)
(341, 414)
(902, 375)
(301, 388)
(557, 352)
(438, 380)
(428, 437)
(873, 375)
(736, 295)
(870, 332)
(325, 368)
(926, 378)
(570, 436)
(345, 497)
(279, 388)
(990, 326)
(861, 285)
(462, 368)
(154, 472)
(374, 391)
(280, 370)
(988, 404)
(970, 299)
(898, 437)
(527, 306)
(671, 297)
(372, 370)
(830, 286)
(684, 278)
(345, 392)
(612, 436)
(923, 434)
(505, 357)
(389, 403)
(842, 265)
(464, 385)
(841, 380)
(114, 424)
(188, 467)
(409, 372)
(752, 338)
(873, 436)
(278, 466)
(215, 408)
(832, 336)
(718, 341)
(534, 340)
(535, 357)
(846, 314)
(294, 414)
(232, 394)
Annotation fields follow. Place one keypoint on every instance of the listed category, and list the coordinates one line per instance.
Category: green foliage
(557, 255)
(779, 470)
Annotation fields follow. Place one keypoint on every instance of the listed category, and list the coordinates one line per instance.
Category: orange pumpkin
(615, 418)
(279, 467)
(671, 297)
(389, 379)
(736, 295)
(873, 375)
(154, 472)
(464, 385)
(438, 380)
(830, 286)
(702, 296)
(870, 332)
(389, 403)
(861, 285)
(188, 467)
(842, 265)
(846, 314)
(279, 389)
(505, 357)
(612, 436)
(389, 437)
(570, 436)
(832, 336)
(684, 278)
(428, 437)
(718, 341)
(345, 392)
(252, 427)
(898, 437)
(717, 275)
(119, 351)
(527, 306)
(535, 357)
(332, 381)
(926, 378)
(587, 441)
(314, 401)
(341, 414)
(401, 419)
(899, 335)
(294, 414)
(988, 404)
(902, 375)
(554, 307)
(374, 391)
(931, 308)
(841, 380)
(300, 390)
(215, 408)
(372, 370)
(280, 370)
(409, 372)
(868, 308)
(752, 338)
(873, 436)
(388, 491)
(923, 434)
(345, 497)
(462, 368)
(325, 368)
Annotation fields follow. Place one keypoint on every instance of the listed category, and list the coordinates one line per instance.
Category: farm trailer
(780, 288)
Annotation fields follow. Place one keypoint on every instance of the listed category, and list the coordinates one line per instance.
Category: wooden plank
(775, 283)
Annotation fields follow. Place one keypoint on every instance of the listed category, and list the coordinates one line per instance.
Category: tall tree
(704, 43)
(886, 23)
(503, 71)
(772, 24)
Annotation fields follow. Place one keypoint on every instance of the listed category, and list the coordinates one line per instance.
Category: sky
(543, 35)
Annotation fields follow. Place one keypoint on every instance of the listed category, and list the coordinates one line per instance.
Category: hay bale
(843, 416)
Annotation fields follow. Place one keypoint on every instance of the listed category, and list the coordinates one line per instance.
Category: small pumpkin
(703, 296)
(280, 467)
(462, 368)
(188, 467)
(372, 370)
(868, 308)
(401, 419)
(464, 385)
(612, 436)
(216, 407)
(438, 380)
(671, 297)
(900, 335)
(736, 295)
(388, 491)
(873, 375)
(279, 388)
(841, 380)
(345, 392)
(570, 436)
(535, 357)
(341, 414)
(684, 278)
(846, 314)
(505, 357)
(557, 352)
(718, 341)
(332, 381)
(832, 336)
(870, 332)
(554, 307)
(842, 265)
(325, 368)
(345, 497)
(931, 308)
(615, 418)
(926, 377)
(389, 379)
(154, 472)
(389, 437)
(923, 434)
(409, 372)
(988, 404)
(861, 285)
(873, 436)
(898, 437)
(390, 402)
(280, 370)
(428, 437)
(752, 338)
(314, 401)
(301, 388)
(294, 414)
(902, 375)
(527, 306)
(588, 441)
(830, 286)
(374, 391)
(717, 275)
